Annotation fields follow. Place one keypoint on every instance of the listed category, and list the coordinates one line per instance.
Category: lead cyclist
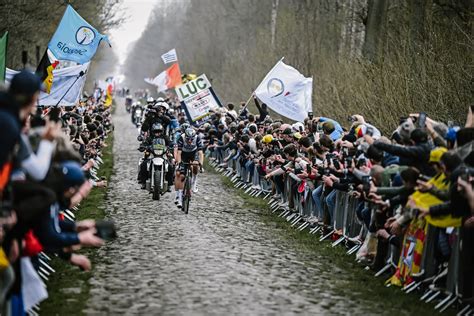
(189, 150)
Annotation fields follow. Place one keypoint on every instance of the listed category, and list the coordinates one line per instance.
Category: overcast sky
(137, 13)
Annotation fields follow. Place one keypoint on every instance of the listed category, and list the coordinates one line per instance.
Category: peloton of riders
(186, 146)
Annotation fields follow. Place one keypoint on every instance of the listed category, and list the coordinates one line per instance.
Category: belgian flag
(45, 71)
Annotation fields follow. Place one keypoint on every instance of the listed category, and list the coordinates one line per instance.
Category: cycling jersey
(189, 150)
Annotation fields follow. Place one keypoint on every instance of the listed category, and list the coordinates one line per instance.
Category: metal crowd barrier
(297, 207)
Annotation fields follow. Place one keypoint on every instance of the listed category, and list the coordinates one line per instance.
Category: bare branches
(32, 23)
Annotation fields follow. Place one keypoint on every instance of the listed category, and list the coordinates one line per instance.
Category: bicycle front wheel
(187, 194)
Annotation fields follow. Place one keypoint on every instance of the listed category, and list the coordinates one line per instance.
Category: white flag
(159, 81)
(170, 57)
(167, 79)
(286, 91)
(33, 289)
(67, 87)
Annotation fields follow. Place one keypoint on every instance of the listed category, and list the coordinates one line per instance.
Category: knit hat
(23, 86)
(253, 128)
(287, 131)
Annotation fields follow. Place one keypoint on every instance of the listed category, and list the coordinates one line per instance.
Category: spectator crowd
(49, 159)
(402, 201)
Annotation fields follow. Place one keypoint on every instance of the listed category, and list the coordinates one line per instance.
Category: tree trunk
(420, 15)
(274, 21)
(375, 29)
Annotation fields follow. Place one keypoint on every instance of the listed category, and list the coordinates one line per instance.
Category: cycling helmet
(150, 100)
(189, 133)
(184, 127)
(157, 127)
(164, 105)
(160, 99)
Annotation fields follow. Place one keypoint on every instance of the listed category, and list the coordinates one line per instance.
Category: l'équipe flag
(3, 55)
(75, 39)
(170, 57)
(45, 70)
(168, 79)
(286, 91)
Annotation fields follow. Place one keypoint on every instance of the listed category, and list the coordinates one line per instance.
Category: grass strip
(69, 287)
(355, 277)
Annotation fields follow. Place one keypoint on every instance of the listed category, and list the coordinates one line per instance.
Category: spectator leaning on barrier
(46, 168)
(405, 190)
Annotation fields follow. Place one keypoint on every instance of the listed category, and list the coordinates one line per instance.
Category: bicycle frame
(187, 192)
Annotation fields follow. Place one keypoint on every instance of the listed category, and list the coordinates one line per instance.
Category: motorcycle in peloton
(128, 103)
(157, 166)
(137, 117)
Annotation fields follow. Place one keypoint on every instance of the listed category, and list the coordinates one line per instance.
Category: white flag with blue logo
(75, 39)
(286, 91)
(170, 57)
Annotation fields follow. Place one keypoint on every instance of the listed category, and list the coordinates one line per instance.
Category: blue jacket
(338, 132)
(53, 233)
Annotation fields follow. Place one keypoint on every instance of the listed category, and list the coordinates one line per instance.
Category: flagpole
(82, 73)
(247, 103)
(6, 52)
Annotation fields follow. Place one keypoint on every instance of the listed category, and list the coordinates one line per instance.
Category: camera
(348, 162)
(422, 120)
(105, 230)
(370, 131)
(361, 162)
(345, 151)
(366, 184)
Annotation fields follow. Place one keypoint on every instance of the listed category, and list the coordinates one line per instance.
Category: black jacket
(10, 128)
(154, 118)
(414, 156)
